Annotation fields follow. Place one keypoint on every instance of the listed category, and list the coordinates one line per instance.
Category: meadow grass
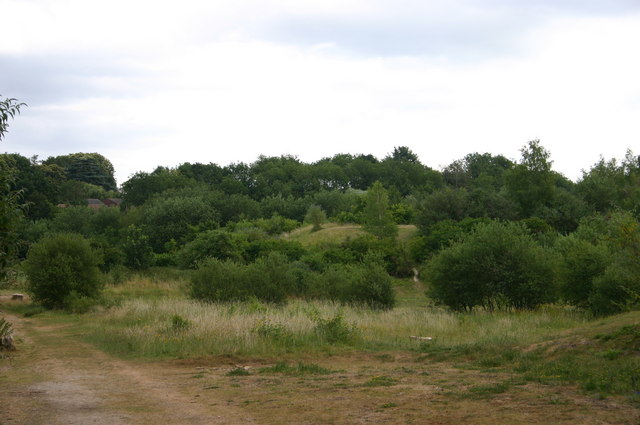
(152, 318)
(165, 323)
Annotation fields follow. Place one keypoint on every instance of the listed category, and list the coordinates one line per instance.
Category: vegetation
(526, 273)
(495, 266)
(491, 233)
(63, 271)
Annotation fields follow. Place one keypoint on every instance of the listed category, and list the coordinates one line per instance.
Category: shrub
(498, 265)
(61, 265)
(612, 243)
(138, 254)
(212, 243)
(293, 250)
(269, 279)
(371, 286)
(581, 262)
(335, 330)
(316, 216)
(217, 280)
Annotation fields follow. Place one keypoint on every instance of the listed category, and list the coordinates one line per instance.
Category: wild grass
(164, 323)
(554, 344)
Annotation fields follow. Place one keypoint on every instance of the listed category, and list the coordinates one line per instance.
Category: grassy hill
(334, 233)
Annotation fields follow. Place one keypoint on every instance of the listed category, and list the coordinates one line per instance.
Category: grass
(554, 345)
(334, 233)
(299, 369)
(179, 327)
(331, 233)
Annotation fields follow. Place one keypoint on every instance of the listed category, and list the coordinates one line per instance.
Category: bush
(269, 279)
(217, 280)
(316, 216)
(607, 279)
(212, 243)
(371, 286)
(581, 262)
(61, 268)
(498, 265)
(335, 330)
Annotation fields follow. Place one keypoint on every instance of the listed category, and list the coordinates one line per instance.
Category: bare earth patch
(54, 379)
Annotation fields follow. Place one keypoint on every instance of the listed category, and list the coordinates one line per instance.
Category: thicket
(62, 271)
(237, 215)
(497, 265)
(274, 278)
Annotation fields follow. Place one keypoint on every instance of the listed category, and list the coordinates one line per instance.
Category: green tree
(143, 186)
(10, 204)
(63, 267)
(531, 183)
(91, 168)
(316, 216)
(10, 214)
(497, 265)
(177, 217)
(612, 184)
(377, 216)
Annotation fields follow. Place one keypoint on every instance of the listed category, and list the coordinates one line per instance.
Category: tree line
(493, 232)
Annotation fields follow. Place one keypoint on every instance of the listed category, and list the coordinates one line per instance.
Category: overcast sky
(152, 82)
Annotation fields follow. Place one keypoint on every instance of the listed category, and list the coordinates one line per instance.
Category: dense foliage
(62, 269)
(492, 232)
(497, 265)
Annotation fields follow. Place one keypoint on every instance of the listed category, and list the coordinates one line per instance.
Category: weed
(5, 328)
(335, 330)
(388, 405)
(179, 323)
(266, 329)
(239, 371)
(6, 337)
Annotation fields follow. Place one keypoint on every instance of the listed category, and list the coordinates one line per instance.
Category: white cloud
(161, 85)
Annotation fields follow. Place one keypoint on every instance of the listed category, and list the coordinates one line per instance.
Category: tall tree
(531, 183)
(91, 168)
(377, 216)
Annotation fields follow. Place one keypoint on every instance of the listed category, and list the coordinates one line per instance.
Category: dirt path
(56, 380)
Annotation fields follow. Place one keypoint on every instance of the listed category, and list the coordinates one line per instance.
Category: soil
(54, 378)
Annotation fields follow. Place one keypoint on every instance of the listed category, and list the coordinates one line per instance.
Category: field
(151, 355)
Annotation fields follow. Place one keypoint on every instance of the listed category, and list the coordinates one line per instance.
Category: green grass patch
(388, 405)
(24, 309)
(485, 391)
(381, 381)
(296, 370)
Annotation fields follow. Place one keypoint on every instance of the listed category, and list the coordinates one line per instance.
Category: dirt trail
(58, 380)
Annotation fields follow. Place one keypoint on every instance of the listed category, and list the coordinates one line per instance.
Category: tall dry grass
(174, 326)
